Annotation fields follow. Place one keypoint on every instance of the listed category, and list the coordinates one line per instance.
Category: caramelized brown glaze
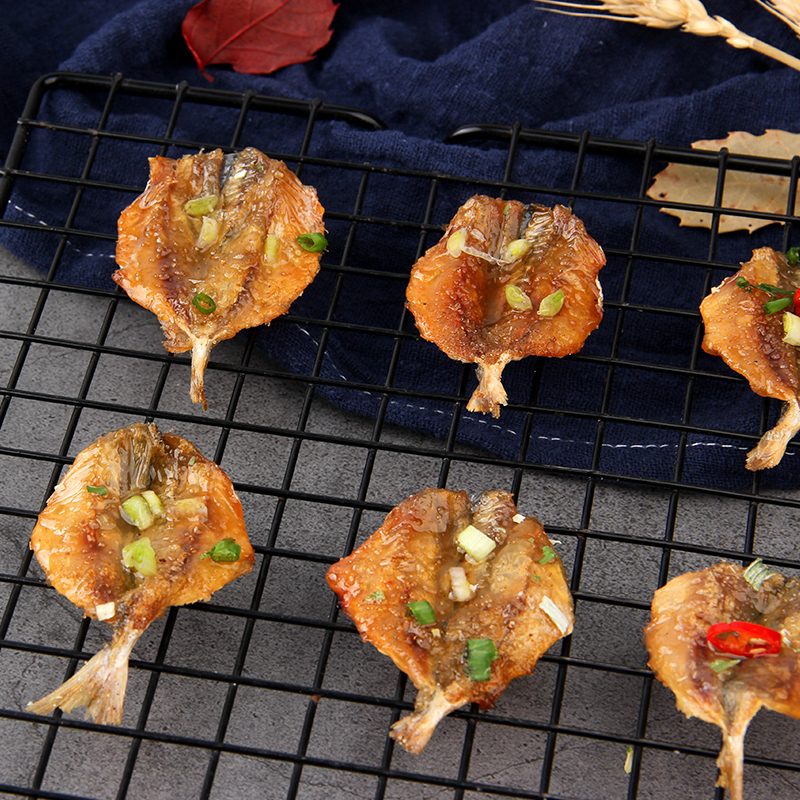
(408, 559)
(750, 341)
(682, 613)
(167, 256)
(79, 536)
(459, 299)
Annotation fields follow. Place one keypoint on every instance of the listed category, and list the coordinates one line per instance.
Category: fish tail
(201, 350)
(490, 394)
(99, 684)
(414, 731)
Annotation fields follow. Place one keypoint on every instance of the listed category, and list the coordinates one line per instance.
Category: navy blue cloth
(426, 68)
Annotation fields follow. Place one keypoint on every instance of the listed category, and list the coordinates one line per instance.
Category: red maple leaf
(257, 36)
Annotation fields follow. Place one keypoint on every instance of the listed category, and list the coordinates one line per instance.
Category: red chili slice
(744, 639)
(796, 303)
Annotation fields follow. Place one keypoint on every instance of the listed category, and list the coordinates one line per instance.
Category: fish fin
(99, 684)
(730, 763)
(490, 394)
(770, 449)
(414, 731)
(201, 350)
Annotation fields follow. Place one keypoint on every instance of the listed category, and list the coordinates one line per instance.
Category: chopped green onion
(101, 490)
(793, 256)
(480, 654)
(721, 664)
(516, 249)
(190, 507)
(376, 597)
(154, 501)
(456, 242)
(422, 612)
(757, 573)
(105, 611)
(201, 206)
(192, 461)
(776, 305)
(203, 303)
(476, 544)
(140, 557)
(138, 512)
(517, 299)
(208, 233)
(557, 616)
(224, 550)
(628, 760)
(461, 589)
(272, 248)
(313, 242)
(536, 577)
(548, 554)
(791, 328)
(770, 289)
(551, 304)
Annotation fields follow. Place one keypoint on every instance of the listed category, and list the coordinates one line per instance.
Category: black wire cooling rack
(267, 690)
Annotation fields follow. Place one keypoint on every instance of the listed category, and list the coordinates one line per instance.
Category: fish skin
(750, 342)
(162, 268)
(676, 639)
(79, 536)
(458, 301)
(408, 559)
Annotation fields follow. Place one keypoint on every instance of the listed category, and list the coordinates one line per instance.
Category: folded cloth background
(426, 68)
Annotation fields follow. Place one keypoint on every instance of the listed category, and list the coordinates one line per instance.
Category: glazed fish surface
(750, 340)
(140, 522)
(462, 598)
(507, 281)
(725, 640)
(215, 244)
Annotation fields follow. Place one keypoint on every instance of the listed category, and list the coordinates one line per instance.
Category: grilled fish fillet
(79, 538)
(750, 341)
(211, 247)
(676, 638)
(458, 290)
(520, 600)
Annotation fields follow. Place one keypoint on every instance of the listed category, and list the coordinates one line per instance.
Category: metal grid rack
(267, 690)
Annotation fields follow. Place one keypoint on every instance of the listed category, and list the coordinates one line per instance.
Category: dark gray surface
(606, 705)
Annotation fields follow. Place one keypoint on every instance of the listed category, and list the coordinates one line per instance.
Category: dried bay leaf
(748, 191)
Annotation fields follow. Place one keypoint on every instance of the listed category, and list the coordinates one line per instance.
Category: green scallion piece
(154, 501)
(476, 544)
(201, 206)
(138, 511)
(480, 654)
(551, 304)
(516, 249)
(793, 256)
(422, 612)
(101, 490)
(208, 233)
(791, 328)
(757, 573)
(140, 557)
(721, 664)
(778, 304)
(313, 242)
(376, 597)
(203, 303)
(224, 550)
(272, 248)
(517, 299)
(628, 760)
(548, 554)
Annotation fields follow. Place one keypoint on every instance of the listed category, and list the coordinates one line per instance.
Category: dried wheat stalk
(786, 10)
(690, 15)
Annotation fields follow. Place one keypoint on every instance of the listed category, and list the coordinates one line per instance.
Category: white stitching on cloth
(541, 438)
(76, 249)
